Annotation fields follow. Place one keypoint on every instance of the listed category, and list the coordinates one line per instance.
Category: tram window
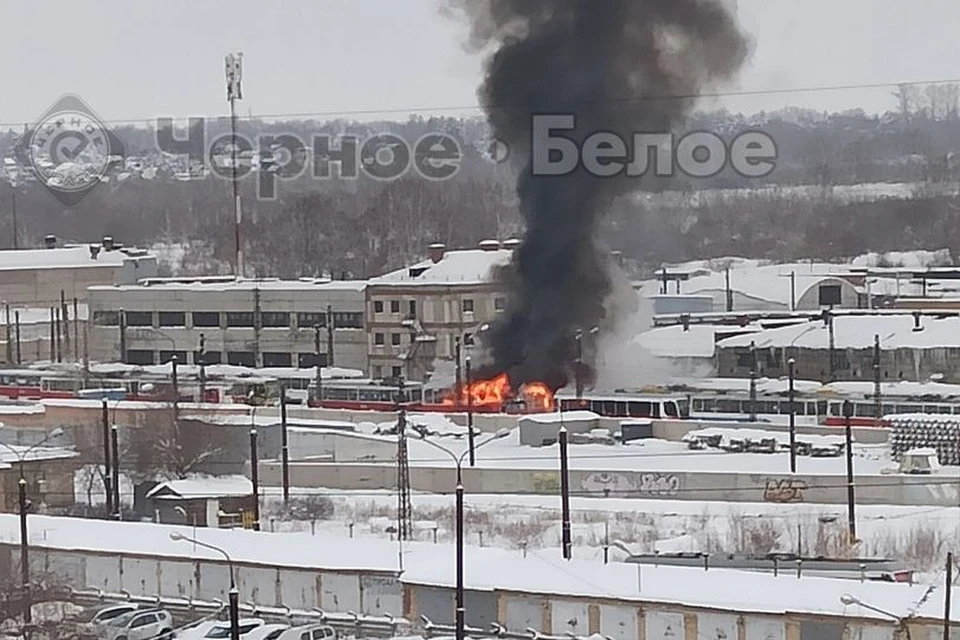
(864, 410)
(684, 406)
(822, 408)
(640, 409)
(728, 405)
(670, 410)
(909, 408)
(956, 409)
(835, 409)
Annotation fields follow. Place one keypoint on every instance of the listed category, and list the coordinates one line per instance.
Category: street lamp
(234, 598)
(622, 546)
(458, 461)
(848, 600)
(22, 499)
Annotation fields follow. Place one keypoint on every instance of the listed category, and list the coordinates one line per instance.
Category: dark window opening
(206, 319)
(172, 319)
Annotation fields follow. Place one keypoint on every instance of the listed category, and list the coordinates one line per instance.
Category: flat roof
(221, 284)
(68, 257)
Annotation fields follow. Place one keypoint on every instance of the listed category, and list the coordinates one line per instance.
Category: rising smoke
(618, 65)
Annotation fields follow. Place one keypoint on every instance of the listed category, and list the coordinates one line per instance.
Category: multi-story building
(415, 314)
(264, 322)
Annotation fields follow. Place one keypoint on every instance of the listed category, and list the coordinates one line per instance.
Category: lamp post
(458, 461)
(620, 544)
(848, 600)
(851, 491)
(234, 598)
(471, 447)
(793, 419)
(22, 501)
(190, 518)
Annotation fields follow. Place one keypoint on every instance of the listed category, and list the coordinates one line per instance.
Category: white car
(96, 622)
(309, 632)
(140, 625)
(221, 630)
(266, 632)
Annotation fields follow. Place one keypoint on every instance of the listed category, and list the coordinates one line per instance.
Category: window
(172, 319)
(206, 319)
(468, 339)
(468, 305)
(829, 295)
(106, 318)
(395, 339)
(394, 306)
(276, 319)
(378, 372)
(396, 371)
(311, 320)
(412, 306)
(378, 339)
(241, 358)
(347, 320)
(209, 357)
(499, 304)
(239, 319)
(378, 306)
(143, 621)
(308, 360)
(167, 356)
(138, 318)
(745, 360)
(277, 359)
(139, 356)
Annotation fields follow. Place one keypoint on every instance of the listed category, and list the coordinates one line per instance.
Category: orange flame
(493, 394)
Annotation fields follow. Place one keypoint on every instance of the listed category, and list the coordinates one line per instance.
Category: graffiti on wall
(784, 490)
(644, 485)
(546, 483)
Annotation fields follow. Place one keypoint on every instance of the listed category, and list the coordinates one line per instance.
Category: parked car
(266, 632)
(221, 630)
(142, 624)
(309, 632)
(92, 621)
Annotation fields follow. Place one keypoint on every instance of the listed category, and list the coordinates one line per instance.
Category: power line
(509, 106)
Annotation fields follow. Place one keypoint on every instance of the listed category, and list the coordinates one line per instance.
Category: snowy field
(918, 535)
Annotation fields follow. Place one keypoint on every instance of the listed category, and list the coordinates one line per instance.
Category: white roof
(203, 487)
(69, 257)
(769, 283)
(10, 454)
(39, 315)
(231, 284)
(673, 342)
(857, 332)
(467, 266)
(489, 568)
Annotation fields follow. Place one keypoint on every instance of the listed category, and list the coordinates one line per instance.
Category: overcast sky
(138, 60)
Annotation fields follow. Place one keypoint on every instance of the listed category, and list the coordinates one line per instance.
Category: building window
(394, 306)
(396, 371)
(275, 319)
(206, 319)
(378, 306)
(106, 318)
(468, 305)
(311, 320)
(309, 360)
(139, 356)
(829, 295)
(395, 339)
(377, 371)
(378, 339)
(499, 304)
(167, 356)
(277, 359)
(138, 318)
(241, 358)
(239, 319)
(412, 305)
(172, 319)
(209, 357)
(347, 320)
(468, 339)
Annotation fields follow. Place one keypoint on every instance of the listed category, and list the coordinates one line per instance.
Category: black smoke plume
(618, 65)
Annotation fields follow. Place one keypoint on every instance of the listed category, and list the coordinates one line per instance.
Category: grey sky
(137, 60)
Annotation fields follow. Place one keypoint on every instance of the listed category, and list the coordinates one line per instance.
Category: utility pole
(946, 597)
(107, 479)
(316, 348)
(753, 382)
(284, 448)
(115, 468)
(729, 292)
(404, 507)
(255, 476)
(877, 401)
(828, 318)
(793, 291)
(257, 327)
(9, 333)
(16, 330)
(565, 495)
(793, 418)
(202, 361)
(53, 335)
(65, 340)
(330, 329)
(578, 336)
(851, 497)
(13, 207)
(234, 74)
(459, 619)
(176, 389)
(76, 330)
(459, 382)
(57, 334)
(122, 321)
(470, 441)
(24, 546)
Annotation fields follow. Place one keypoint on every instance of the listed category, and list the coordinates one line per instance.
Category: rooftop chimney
(511, 244)
(436, 251)
(108, 243)
(50, 241)
(94, 251)
(917, 326)
(685, 320)
(490, 245)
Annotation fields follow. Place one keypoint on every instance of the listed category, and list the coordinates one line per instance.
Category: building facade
(415, 315)
(262, 323)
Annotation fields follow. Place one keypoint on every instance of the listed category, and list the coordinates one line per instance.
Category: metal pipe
(565, 495)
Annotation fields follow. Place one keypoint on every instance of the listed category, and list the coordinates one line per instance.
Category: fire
(493, 394)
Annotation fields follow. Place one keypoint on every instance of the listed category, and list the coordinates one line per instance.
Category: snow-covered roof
(231, 284)
(491, 568)
(770, 283)
(698, 341)
(69, 257)
(857, 332)
(917, 259)
(39, 315)
(467, 266)
(203, 487)
(11, 454)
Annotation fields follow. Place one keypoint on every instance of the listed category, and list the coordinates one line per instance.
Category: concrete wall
(739, 487)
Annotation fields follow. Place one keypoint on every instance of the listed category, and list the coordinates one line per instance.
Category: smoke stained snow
(623, 66)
